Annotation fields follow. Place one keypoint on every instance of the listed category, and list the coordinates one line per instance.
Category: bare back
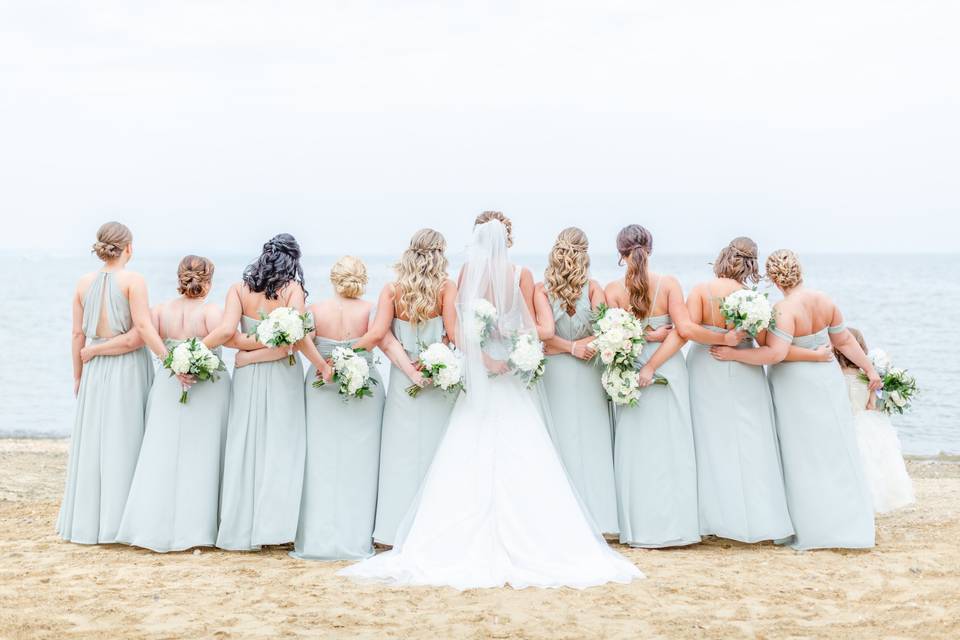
(660, 289)
(252, 303)
(812, 311)
(183, 318)
(341, 319)
(708, 296)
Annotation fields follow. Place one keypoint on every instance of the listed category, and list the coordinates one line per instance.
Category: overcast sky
(822, 126)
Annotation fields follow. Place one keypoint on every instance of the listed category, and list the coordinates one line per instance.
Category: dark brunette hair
(277, 266)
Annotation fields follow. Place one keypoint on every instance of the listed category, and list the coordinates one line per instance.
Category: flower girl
(883, 464)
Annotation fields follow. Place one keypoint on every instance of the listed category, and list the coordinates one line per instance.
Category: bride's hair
(635, 244)
(421, 274)
(843, 360)
(783, 269)
(349, 277)
(568, 267)
(112, 239)
(738, 261)
(487, 216)
(277, 266)
(194, 276)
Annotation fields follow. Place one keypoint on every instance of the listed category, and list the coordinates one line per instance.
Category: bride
(496, 506)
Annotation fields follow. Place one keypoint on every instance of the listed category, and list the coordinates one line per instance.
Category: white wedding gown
(496, 506)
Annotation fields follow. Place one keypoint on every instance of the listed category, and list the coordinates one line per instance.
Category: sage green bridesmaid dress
(339, 501)
(829, 501)
(175, 495)
(579, 417)
(108, 426)
(654, 460)
(412, 429)
(739, 477)
(264, 455)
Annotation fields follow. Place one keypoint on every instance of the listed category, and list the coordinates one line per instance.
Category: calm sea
(903, 304)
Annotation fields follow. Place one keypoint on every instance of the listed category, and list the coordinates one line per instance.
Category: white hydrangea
(351, 372)
(748, 310)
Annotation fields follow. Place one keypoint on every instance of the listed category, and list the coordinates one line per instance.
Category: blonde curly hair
(487, 216)
(783, 269)
(349, 277)
(568, 268)
(421, 274)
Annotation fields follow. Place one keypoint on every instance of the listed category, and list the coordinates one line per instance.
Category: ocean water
(904, 304)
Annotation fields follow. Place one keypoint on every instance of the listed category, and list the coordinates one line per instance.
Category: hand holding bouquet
(283, 326)
(899, 387)
(526, 358)
(748, 310)
(619, 337)
(351, 372)
(442, 366)
(193, 358)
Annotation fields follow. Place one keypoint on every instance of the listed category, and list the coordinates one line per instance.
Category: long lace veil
(489, 278)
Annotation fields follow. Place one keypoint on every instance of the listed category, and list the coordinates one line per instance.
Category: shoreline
(905, 587)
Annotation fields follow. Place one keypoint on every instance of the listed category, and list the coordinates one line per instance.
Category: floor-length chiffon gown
(108, 427)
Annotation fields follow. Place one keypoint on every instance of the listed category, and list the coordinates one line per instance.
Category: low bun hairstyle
(843, 360)
(112, 239)
(194, 276)
(487, 216)
(349, 277)
(277, 266)
(421, 274)
(738, 261)
(568, 267)
(783, 269)
(635, 244)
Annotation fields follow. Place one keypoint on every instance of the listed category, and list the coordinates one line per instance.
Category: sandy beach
(908, 587)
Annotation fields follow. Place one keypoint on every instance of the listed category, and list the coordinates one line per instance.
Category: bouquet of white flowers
(193, 358)
(443, 366)
(619, 337)
(748, 310)
(283, 327)
(899, 387)
(352, 372)
(526, 358)
(622, 385)
(485, 319)
(619, 340)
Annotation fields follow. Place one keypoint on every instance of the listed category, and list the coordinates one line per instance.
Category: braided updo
(194, 276)
(112, 239)
(783, 269)
(349, 277)
(738, 261)
(278, 265)
(487, 216)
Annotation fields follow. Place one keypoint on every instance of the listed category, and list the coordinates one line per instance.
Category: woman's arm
(143, 318)
(396, 354)
(448, 309)
(802, 354)
(674, 342)
(230, 318)
(844, 342)
(773, 351)
(265, 354)
(116, 346)
(543, 314)
(77, 341)
(381, 321)
(690, 327)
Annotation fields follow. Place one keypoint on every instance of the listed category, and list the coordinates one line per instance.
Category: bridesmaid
(175, 494)
(580, 419)
(111, 394)
(419, 309)
(739, 480)
(654, 460)
(828, 498)
(266, 433)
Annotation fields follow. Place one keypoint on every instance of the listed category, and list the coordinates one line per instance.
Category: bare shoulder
(526, 275)
(85, 280)
(449, 286)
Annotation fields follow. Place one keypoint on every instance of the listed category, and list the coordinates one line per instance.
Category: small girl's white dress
(883, 465)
